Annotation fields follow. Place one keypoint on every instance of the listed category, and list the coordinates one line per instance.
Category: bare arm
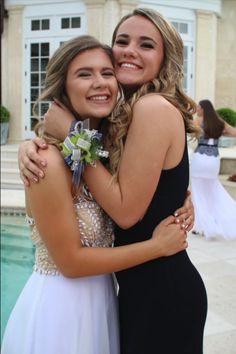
(30, 163)
(57, 123)
(27, 154)
(151, 145)
(229, 130)
(50, 203)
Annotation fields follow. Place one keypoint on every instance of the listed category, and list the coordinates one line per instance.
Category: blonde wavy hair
(56, 73)
(168, 84)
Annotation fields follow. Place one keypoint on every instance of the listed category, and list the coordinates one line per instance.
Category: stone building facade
(33, 29)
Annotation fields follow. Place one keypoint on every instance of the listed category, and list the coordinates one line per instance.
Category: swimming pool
(17, 259)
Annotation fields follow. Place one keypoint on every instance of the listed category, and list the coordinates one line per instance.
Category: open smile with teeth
(103, 98)
(129, 66)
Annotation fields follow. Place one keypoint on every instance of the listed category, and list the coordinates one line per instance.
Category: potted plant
(4, 120)
(229, 116)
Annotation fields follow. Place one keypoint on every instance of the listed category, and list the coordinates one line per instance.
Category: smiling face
(138, 50)
(91, 85)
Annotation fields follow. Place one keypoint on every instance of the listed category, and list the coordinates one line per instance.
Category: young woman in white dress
(68, 305)
(215, 209)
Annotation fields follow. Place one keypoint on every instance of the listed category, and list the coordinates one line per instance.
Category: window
(39, 57)
(70, 22)
(40, 25)
(185, 30)
(181, 27)
(44, 30)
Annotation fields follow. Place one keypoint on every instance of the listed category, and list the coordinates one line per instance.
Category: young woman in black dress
(162, 303)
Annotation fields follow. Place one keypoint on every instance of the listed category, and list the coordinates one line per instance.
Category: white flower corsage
(82, 147)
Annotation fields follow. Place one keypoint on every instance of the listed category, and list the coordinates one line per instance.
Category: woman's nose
(99, 81)
(130, 51)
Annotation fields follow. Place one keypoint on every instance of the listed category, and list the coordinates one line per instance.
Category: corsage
(82, 146)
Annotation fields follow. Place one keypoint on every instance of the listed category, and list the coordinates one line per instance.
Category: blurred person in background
(215, 210)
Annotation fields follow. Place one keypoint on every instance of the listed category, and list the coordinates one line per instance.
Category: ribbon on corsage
(82, 146)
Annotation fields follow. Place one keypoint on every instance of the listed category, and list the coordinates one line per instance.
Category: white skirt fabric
(58, 315)
(215, 210)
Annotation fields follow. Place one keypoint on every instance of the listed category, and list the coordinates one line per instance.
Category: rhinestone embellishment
(96, 230)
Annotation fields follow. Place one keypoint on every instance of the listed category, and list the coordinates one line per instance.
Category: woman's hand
(169, 237)
(57, 123)
(30, 162)
(185, 215)
(58, 120)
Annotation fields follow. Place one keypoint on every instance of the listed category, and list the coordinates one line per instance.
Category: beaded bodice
(207, 146)
(96, 230)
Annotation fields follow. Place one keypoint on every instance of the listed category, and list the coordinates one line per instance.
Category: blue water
(17, 259)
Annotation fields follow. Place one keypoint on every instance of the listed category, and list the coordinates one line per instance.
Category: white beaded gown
(215, 209)
(59, 315)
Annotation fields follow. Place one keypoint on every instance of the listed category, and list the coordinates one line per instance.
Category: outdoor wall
(95, 17)
(206, 37)
(226, 54)
(103, 15)
(215, 50)
(12, 71)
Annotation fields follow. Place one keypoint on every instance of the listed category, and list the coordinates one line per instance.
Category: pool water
(17, 259)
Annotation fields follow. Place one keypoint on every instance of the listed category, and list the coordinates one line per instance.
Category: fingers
(185, 216)
(29, 171)
(182, 212)
(185, 223)
(34, 158)
(173, 240)
(25, 180)
(189, 222)
(167, 221)
(39, 142)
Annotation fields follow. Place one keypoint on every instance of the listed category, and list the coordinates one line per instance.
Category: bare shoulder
(156, 108)
(52, 155)
(55, 163)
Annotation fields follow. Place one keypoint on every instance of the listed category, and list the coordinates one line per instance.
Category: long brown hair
(213, 125)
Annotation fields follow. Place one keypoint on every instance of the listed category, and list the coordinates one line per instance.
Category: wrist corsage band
(82, 146)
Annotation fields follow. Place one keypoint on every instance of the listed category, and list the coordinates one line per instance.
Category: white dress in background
(215, 210)
(59, 315)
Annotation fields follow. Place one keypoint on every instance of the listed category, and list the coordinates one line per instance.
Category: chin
(99, 114)
(129, 80)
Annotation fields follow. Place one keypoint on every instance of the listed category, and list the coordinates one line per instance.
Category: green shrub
(228, 115)
(5, 115)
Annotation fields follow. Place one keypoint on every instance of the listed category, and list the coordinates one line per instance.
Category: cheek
(157, 60)
(74, 91)
(115, 87)
(116, 52)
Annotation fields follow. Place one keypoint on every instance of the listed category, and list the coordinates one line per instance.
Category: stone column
(127, 6)
(206, 55)
(12, 71)
(111, 17)
(95, 18)
(114, 11)
(103, 15)
(226, 54)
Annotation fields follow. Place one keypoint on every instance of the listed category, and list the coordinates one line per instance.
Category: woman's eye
(84, 74)
(108, 73)
(147, 45)
(121, 42)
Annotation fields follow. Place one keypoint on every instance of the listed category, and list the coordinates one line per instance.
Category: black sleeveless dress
(162, 303)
